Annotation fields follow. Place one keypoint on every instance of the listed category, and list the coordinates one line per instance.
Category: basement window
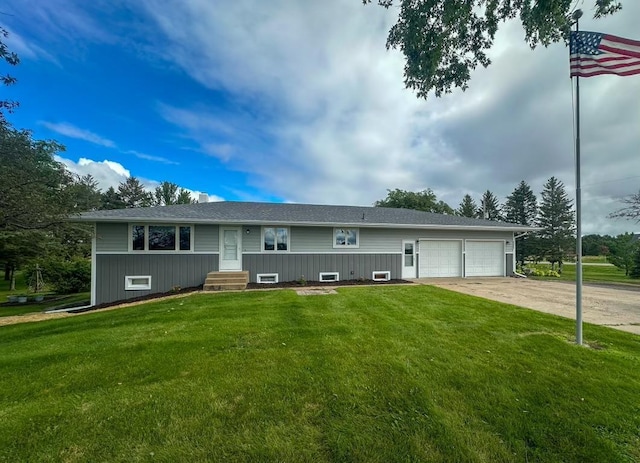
(329, 276)
(137, 283)
(381, 275)
(267, 278)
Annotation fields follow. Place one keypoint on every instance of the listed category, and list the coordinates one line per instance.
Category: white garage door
(440, 258)
(484, 259)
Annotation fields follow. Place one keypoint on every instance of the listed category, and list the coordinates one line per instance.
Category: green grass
(51, 302)
(591, 273)
(383, 374)
(595, 259)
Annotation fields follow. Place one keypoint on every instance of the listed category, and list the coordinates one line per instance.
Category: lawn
(380, 374)
(592, 273)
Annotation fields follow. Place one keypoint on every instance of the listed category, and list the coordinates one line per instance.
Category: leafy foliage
(624, 249)
(11, 59)
(65, 276)
(169, 193)
(444, 40)
(424, 200)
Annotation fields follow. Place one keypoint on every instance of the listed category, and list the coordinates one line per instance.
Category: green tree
(521, 207)
(557, 222)
(424, 200)
(444, 40)
(623, 252)
(133, 194)
(169, 193)
(468, 207)
(111, 199)
(489, 207)
(12, 59)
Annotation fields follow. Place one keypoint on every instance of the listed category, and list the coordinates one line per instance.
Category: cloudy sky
(299, 101)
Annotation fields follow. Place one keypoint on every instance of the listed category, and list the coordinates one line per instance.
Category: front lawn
(378, 374)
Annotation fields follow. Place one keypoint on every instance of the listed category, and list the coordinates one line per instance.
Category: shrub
(65, 276)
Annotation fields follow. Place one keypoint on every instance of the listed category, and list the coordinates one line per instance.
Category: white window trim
(262, 249)
(386, 273)
(130, 286)
(146, 238)
(326, 274)
(260, 276)
(346, 246)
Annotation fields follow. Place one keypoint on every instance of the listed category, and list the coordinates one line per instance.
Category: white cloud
(26, 49)
(149, 157)
(106, 173)
(71, 131)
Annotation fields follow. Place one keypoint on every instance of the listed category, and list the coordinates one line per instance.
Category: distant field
(594, 259)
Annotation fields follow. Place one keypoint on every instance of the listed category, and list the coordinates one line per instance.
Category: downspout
(515, 237)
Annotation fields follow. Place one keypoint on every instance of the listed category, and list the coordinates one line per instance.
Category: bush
(539, 272)
(65, 276)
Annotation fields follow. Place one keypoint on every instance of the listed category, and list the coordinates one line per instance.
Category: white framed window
(137, 282)
(329, 276)
(275, 239)
(267, 278)
(346, 238)
(161, 238)
(381, 275)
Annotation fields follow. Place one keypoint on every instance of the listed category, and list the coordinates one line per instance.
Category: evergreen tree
(557, 222)
(635, 270)
(522, 208)
(489, 207)
(468, 207)
(169, 193)
(111, 200)
(133, 194)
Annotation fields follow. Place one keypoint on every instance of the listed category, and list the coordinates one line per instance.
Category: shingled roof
(249, 213)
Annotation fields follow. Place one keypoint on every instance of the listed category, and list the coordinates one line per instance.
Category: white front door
(408, 259)
(230, 249)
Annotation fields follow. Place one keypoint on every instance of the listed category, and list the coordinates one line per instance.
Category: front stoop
(221, 281)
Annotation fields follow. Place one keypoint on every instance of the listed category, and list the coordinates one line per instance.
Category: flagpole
(576, 15)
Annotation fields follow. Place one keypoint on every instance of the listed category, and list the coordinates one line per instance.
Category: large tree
(468, 207)
(424, 200)
(489, 207)
(133, 194)
(557, 221)
(169, 193)
(624, 249)
(521, 207)
(444, 40)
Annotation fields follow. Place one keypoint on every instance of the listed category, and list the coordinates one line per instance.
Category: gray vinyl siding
(380, 240)
(509, 262)
(206, 238)
(167, 271)
(251, 242)
(291, 267)
(112, 237)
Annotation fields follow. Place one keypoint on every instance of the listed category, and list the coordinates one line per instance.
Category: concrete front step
(221, 281)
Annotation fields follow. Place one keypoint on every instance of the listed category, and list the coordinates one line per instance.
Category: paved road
(602, 305)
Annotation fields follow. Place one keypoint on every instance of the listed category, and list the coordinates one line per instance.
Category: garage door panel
(440, 258)
(484, 259)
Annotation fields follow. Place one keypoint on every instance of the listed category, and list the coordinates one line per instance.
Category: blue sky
(300, 101)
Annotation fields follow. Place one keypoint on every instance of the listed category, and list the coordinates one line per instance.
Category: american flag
(593, 53)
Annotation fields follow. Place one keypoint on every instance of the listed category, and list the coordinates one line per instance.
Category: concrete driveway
(616, 307)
